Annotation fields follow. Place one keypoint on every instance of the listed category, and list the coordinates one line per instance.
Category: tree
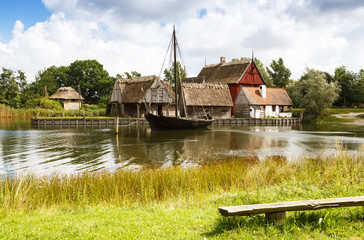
(313, 93)
(261, 69)
(328, 77)
(279, 73)
(52, 77)
(94, 81)
(169, 74)
(361, 86)
(132, 74)
(12, 84)
(348, 83)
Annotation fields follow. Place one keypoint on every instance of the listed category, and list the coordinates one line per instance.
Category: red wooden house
(235, 74)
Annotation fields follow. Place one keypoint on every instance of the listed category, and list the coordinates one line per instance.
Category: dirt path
(357, 121)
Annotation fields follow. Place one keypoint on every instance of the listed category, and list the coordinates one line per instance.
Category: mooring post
(117, 125)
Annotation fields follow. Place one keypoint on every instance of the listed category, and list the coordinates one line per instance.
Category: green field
(182, 203)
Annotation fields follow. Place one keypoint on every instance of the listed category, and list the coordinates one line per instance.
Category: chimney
(222, 59)
(263, 91)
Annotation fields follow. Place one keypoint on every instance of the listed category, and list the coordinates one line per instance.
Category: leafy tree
(348, 82)
(329, 78)
(169, 74)
(12, 84)
(290, 89)
(128, 75)
(279, 73)
(361, 86)
(132, 74)
(267, 79)
(93, 80)
(313, 93)
(52, 77)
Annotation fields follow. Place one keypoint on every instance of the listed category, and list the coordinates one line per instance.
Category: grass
(327, 115)
(345, 110)
(9, 112)
(181, 203)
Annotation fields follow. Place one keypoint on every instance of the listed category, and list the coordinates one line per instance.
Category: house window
(273, 108)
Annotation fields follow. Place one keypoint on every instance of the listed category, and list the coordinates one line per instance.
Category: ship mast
(175, 70)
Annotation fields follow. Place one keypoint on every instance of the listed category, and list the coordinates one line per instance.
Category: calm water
(70, 150)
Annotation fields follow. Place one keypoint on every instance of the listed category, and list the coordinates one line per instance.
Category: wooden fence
(102, 122)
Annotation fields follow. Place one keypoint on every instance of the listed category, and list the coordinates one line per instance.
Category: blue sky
(28, 11)
(133, 35)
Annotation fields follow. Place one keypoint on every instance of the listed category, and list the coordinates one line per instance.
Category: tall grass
(344, 174)
(9, 112)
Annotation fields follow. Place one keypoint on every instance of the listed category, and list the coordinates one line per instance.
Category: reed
(9, 112)
(343, 173)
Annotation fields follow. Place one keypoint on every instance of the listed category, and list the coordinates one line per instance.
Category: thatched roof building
(202, 98)
(70, 99)
(232, 73)
(66, 93)
(235, 74)
(128, 96)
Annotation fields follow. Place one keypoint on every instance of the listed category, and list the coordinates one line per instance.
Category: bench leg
(276, 217)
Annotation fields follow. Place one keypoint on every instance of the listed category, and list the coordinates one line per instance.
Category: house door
(160, 110)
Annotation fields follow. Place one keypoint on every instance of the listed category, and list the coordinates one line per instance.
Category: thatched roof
(227, 73)
(274, 96)
(131, 89)
(193, 80)
(206, 94)
(66, 93)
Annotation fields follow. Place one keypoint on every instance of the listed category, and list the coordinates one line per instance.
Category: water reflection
(69, 150)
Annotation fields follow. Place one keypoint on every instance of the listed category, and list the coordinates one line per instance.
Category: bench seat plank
(245, 210)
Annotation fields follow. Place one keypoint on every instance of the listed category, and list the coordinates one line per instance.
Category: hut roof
(131, 89)
(227, 73)
(206, 94)
(193, 80)
(66, 93)
(274, 96)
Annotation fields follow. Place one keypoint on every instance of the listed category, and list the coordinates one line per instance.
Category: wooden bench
(276, 212)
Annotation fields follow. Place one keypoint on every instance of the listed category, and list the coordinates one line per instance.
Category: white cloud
(133, 35)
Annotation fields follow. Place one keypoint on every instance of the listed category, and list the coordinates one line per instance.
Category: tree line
(89, 76)
(314, 90)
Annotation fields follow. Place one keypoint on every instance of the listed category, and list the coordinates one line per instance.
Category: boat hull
(158, 123)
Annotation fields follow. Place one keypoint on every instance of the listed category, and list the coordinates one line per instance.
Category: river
(70, 150)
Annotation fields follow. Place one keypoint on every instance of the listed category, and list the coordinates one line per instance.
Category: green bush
(40, 103)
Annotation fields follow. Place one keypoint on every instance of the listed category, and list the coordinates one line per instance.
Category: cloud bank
(128, 35)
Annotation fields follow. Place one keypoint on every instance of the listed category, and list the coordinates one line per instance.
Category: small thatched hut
(129, 96)
(204, 98)
(70, 99)
(259, 102)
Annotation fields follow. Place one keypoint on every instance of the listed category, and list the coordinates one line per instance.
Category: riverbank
(8, 112)
(341, 116)
(178, 202)
(355, 117)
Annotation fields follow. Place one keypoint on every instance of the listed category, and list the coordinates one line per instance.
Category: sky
(133, 35)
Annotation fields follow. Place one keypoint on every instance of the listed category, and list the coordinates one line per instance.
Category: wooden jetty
(110, 122)
(276, 212)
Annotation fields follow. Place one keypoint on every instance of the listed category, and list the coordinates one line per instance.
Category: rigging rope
(169, 46)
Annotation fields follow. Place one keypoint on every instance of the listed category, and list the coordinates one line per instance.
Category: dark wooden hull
(158, 123)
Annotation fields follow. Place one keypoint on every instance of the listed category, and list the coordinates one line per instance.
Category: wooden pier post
(117, 125)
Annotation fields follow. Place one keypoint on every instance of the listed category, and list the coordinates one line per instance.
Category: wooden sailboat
(160, 122)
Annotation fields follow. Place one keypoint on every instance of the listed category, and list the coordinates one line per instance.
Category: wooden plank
(245, 210)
